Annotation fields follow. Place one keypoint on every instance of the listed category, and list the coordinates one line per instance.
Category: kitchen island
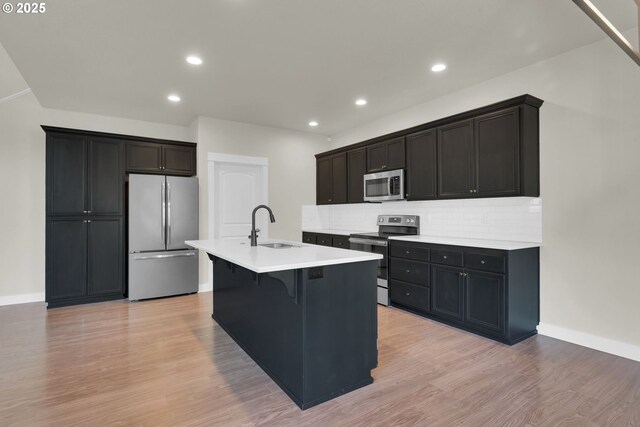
(305, 314)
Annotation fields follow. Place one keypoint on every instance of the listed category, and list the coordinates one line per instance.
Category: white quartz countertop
(336, 232)
(264, 260)
(504, 245)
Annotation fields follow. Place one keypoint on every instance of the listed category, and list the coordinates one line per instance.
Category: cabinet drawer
(408, 251)
(445, 257)
(324, 240)
(309, 238)
(409, 271)
(341, 242)
(417, 297)
(484, 262)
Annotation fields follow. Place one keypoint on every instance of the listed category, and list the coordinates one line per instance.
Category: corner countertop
(504, 245)
(264, 260)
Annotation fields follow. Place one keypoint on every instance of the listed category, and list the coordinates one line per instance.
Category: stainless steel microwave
(384, 186)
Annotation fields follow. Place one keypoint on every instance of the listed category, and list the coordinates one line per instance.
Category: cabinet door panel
(498, 153)
(376, 157)
(357, 167)
(179, 159)
(456, 160)
(485, 300)
(309, 238)
(339, 181)
(105, 256)
(447, 292)
(106, 177)
(409, 271)
(340, 242)
(324, 181)
(66, 258)
(66, 170)
(143, 157)
(421, 165)
(395, 153)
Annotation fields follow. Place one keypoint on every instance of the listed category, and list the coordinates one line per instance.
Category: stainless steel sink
(278, 245)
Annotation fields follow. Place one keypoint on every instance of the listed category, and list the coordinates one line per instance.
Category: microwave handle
(389, 186)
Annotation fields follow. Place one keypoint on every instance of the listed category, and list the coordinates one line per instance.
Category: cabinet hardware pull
(408, 252)
(444, 257)
(482, 262)
(460, 274)
(470, 191)
(407, 293)
(464, 274)
(407, 271)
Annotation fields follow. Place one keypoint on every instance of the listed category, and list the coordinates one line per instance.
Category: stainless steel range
(388, 225)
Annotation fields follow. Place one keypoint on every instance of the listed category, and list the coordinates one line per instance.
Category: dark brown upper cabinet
(456, 165)
(484, 156)
(85, 176)
(421, 166)
(356, 167)
(492, 151)
(386, 155)
(331, 179)
(497, 157)
(151, 157)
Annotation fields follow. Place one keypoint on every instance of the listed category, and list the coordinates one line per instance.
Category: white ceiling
(281, 62)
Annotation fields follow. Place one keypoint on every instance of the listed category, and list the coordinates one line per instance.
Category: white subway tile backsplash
(509, 218)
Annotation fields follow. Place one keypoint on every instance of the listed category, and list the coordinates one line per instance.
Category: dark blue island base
(312, 330)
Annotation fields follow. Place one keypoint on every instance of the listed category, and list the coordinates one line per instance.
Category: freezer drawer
(159, 274)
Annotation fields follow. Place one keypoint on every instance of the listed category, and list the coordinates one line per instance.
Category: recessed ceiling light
(360, 102)
(194, 60)
(313, 123)
(438, 67)
(173, 98)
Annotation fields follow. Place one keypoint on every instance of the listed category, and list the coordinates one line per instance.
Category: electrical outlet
(316, 273)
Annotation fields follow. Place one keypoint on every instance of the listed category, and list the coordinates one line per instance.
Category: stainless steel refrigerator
(163, 213)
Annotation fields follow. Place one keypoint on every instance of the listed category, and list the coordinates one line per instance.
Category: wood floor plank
(165, 362)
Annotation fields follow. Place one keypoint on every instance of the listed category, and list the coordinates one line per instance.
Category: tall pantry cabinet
(85, 219)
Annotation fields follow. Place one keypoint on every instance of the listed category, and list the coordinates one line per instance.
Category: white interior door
(237, 185)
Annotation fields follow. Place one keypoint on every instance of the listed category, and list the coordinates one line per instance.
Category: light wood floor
(167, 363)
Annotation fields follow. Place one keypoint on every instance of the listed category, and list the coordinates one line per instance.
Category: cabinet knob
(407, 271)
(407, 293)
(384, 166)
(470, 191)
(408, 252)
(329, 200)
(482, 262)
(444, 257)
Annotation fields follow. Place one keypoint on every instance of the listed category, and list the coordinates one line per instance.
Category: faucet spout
(254, 233)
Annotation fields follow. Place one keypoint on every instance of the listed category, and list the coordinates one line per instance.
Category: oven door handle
(368, 241)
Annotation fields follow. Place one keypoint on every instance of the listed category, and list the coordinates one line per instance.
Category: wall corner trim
(22, 298)
(205, 287)
(618, 348)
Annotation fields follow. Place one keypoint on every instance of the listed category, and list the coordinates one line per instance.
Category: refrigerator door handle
(189, 254)
(168, 213)
(163, 213)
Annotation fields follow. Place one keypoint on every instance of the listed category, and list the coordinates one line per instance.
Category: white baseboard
(22, 298)
(205, 287)
(584, 339)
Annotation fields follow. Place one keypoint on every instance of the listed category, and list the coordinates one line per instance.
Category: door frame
(214, 159)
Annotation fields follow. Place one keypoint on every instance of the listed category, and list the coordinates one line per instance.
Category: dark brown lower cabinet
(494, 293)
(447, 287)
(85, 260)
(484, 300)
(323, 239)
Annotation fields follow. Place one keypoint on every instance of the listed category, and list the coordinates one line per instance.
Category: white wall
(590, 185)
(22, 179)
(291, 170)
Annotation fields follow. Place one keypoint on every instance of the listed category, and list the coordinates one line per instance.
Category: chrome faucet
(254, 232)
